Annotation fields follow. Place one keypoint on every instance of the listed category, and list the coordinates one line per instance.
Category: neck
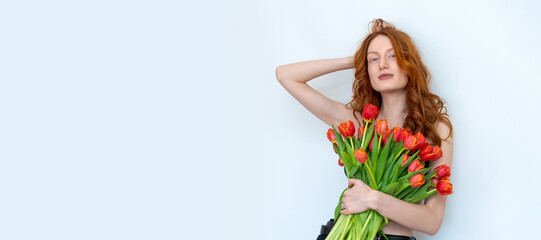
(393, 107)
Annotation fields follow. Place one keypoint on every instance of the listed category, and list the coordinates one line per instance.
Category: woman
(389, 73)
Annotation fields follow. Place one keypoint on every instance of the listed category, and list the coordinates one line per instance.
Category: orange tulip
(386, 136)
(417, 180)
(442, 171)
(415, 166)
(360, 155)
(340, 163)
(405, 158)
(331, 136)
(371, 142)
(360, 133)
(396, 133)
(422, 140)
(426, 153)
(403, 134)
(381, 126)
(370, 112)
(437, 152)
(411, 143)
(347, 129)
(444, 187)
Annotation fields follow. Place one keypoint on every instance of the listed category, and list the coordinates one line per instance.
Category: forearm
(308, 70)
(418, 217)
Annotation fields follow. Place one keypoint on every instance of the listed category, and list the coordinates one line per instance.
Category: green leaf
(339, 206)
(391, 188)
(353, 170)
(339, 139)
(420, 191)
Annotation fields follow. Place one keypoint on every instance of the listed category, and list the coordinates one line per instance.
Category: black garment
(326, 229)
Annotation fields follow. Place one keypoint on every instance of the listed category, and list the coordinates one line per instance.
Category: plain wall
(164, 119)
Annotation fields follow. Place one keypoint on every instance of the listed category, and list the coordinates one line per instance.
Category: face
(385, 75)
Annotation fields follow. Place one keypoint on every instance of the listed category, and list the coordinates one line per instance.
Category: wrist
(377, 200)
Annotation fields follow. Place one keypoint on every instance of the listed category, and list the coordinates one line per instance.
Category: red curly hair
(424, 108)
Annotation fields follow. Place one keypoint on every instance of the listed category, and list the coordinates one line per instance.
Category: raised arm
(294, 77)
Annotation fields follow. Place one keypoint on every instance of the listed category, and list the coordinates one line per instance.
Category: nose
(383, 63)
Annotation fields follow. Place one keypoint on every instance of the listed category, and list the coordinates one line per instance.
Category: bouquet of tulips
(391, 161)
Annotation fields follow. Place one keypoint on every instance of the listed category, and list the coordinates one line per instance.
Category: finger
(351, 182)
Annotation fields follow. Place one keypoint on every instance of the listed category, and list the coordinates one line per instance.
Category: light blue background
(164, 120)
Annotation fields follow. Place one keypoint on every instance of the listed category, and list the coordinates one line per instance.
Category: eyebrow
(377, 52)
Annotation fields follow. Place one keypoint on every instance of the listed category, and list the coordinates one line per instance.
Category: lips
(385, 76)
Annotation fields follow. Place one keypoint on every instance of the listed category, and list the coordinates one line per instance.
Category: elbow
(278, 73)
(434, 229)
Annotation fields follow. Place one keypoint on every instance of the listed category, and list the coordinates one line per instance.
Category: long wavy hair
(424, 108)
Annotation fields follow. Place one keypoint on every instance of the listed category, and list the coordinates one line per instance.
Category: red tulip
(360, 133)
(437, 152)
(386, 137)
(370, 112)
(331, 136)
(340, 163)
(444, 187)
(396, 133)
(417, 180)
(403, 134)
(442, 171)
(426, 153)
(415, 166)
(411, 143)
(422, 140)
(405, 158)
(347, 129)
(371, 142)
(381, 126)
(360, 155)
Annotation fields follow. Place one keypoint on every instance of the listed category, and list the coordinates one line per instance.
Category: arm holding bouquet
(425, 218)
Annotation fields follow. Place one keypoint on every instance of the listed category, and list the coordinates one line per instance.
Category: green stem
(364, 132)
(344, 230)
(375, 185)
(337, 226)
(366, 223)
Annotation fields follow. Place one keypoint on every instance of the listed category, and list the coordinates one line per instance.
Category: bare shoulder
(444, 131)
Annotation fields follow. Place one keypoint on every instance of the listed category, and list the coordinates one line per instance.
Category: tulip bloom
(444, 187)
(403, 134)
(411, 143)
(360, 133)
(415, 166)
(370, 112)
(417, 180)
(405, 158)
(371, 142)
(340, 163)
(360, 155)
(381, 127)
(331, 136)
(396, 133)
(437, 152)
(442, 171)
(347, 129)
(426, 153)
(386, 136)
(422, 140)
